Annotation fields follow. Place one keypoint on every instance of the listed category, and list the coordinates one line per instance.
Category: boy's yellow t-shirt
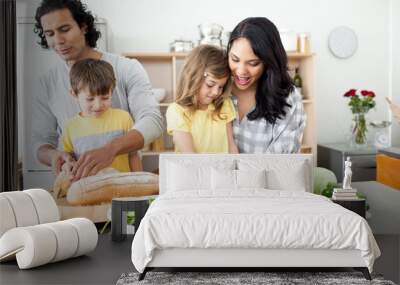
(208, 132)
(81, 134)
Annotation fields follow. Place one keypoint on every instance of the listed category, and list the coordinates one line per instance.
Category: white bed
(247, 211)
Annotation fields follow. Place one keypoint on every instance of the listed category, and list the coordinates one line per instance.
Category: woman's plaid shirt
(259, 136)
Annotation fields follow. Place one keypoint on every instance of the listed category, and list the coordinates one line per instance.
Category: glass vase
(359, 130)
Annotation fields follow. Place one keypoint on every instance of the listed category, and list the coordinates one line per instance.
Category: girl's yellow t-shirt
(208, 132)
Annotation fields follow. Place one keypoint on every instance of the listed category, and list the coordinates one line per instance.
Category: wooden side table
(357, 205)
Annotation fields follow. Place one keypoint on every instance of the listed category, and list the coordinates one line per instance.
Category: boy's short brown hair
(96, 75)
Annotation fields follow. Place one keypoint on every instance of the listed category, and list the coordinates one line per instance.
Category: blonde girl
(200, 119)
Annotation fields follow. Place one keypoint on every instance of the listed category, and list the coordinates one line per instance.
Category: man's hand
(58, 158)
(93, 161)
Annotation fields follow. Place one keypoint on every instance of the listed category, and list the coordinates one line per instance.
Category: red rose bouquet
(359, 105)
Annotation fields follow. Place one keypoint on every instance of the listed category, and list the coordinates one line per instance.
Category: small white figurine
(347, 174)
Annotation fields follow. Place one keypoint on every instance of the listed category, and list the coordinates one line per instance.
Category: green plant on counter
(130, 220)
(328, 190)
(130, 217)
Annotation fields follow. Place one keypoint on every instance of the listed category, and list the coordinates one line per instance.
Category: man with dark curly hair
(68, 28)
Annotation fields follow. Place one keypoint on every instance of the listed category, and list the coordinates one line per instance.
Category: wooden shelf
(153, 153)
(168, 55)
(155, 55)
(306, 149)
(299, 55)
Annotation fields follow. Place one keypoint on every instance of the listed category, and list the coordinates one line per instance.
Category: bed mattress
(250, 219)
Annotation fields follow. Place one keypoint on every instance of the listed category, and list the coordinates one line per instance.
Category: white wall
(150, 25)
(395, 65)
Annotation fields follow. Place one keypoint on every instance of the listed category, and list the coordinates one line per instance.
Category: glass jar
(359, 129)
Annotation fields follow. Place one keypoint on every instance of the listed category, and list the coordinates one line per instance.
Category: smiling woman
(270, 116)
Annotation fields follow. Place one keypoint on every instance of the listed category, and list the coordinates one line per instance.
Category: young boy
(92, 85)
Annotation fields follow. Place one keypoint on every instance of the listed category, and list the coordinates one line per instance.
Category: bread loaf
(102, 188)
(64, 179)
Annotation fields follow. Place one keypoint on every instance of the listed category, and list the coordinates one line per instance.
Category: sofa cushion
(23, 208)
(387, 170)
(45, 205)
(40, 244)
(26, 208)
(7, 215)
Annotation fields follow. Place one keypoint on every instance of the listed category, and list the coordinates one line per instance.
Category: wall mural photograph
(143, 140)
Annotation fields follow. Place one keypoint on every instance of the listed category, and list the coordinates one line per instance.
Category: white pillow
(183, 178)
(223, 179)
(227, 179)
(293, 180)
(190, 176)
(251, 178)
(283, 173)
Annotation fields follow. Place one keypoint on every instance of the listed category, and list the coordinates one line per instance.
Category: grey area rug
(269, 278)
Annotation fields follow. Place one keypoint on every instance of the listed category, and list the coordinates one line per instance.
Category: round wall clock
(342, 42)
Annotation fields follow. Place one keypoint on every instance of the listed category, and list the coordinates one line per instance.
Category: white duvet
(256, 218)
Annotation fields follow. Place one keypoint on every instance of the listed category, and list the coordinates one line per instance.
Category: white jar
(289, 40)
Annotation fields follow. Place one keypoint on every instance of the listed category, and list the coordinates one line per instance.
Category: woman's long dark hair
(275, 84)
(78, 11)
